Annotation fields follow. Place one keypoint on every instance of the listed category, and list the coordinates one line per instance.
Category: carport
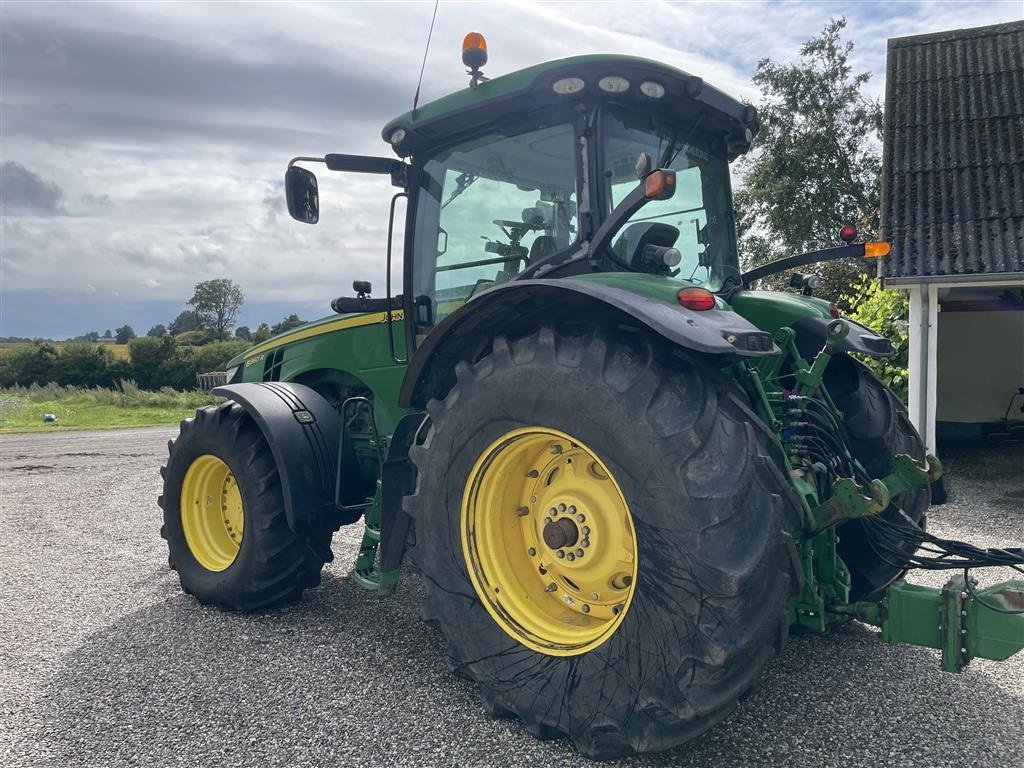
(953, 208)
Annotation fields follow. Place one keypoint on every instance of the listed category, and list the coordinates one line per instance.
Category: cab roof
(687, 98)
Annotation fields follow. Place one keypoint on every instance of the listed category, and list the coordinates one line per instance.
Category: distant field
(120, 350)
(22, 409)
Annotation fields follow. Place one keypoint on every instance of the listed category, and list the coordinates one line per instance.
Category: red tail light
(696, 298)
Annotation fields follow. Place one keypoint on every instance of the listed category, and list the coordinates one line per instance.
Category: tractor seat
(542, 247)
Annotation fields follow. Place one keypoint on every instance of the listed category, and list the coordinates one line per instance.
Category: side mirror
(303, 196)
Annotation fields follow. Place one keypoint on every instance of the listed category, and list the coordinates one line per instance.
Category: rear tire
(878, 429)
(267, 564)
(711, 513)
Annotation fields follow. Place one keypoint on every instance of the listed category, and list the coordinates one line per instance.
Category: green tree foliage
(108, 334)
(124, 334)
(86, 365)
(262, 333)
(292, 321)
(885, 312)
(184, 322)
(157, 331)
(217, 303)
(242, 332)
(815, 163)
(153, 361)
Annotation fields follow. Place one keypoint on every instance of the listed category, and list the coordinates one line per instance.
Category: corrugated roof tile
(953, 161)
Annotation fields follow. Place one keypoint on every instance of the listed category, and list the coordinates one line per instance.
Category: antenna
(416, 98)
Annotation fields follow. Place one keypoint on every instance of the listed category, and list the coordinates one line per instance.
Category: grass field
(120, 350)
(22, 408)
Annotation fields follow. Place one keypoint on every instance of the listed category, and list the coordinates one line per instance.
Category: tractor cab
(513, 177)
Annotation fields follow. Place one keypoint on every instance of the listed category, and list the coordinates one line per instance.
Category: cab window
(487, 209)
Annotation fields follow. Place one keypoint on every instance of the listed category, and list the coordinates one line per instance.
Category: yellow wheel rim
(549, 541)
(211, 513)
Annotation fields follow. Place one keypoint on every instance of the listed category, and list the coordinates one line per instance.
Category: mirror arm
(396, 169)
(853, 251)
(597, 248)
(344, 305)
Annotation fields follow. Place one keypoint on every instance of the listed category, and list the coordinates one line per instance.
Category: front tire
(224, 516)
(707, 513)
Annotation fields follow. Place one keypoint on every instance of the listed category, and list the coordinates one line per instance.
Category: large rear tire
(878, 429)
(224, 517)
(677, 474)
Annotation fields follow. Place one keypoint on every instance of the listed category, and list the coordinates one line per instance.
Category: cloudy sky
(143, 144)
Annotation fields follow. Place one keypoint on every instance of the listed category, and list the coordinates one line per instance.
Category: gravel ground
(104, 662)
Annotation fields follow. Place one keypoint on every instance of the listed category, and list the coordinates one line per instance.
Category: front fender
(303, 432)
(517, 307)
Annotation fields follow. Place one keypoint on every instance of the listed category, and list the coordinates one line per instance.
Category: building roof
(953, 155)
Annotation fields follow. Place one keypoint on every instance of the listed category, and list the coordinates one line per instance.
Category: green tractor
(624, 475)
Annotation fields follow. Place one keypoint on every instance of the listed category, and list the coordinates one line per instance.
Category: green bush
(155, 363)
(885, 312)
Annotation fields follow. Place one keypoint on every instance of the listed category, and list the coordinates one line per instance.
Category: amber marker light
(876, 249)
(660, 185)
(474, 50)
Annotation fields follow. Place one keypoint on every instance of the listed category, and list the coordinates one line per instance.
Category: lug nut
(552, 511)
(594, 596)
(585, 608)
(572, 509)
(550, 587)
(586, 542)
(547, 521)
(559, 554)
(533, 473)
(570, 557)
(531, 552)
(556, 449)
(523, 511)
(580, 518)
(586, 530)
(561, 507)
(579, 553)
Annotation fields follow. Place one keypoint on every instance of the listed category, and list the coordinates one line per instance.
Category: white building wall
(980, 360)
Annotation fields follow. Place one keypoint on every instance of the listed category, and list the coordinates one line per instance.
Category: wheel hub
(549, 541)
(561, 533)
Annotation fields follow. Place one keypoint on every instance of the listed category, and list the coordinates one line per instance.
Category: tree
(108, 334)
(91, 336)
(242, 332)
(217, 303)
(816, 162)
(262, 333)
(124, 334)
(157, 331)
(185, 321)
(292, 321)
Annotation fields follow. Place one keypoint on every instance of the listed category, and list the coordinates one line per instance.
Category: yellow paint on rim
(341, 323)
(212, 515)
(549, 541)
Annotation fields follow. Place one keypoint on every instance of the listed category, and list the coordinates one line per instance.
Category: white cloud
(167, 126)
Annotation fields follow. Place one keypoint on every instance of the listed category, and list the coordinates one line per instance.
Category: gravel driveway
(104, 662)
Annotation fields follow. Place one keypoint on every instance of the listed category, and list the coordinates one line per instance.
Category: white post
(928, 434)
(917, 377)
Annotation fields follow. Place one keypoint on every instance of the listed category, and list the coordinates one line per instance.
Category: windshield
(697, 220)
(487, 209)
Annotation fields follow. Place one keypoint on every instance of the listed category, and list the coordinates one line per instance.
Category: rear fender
(516, 308)
(303, 432)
